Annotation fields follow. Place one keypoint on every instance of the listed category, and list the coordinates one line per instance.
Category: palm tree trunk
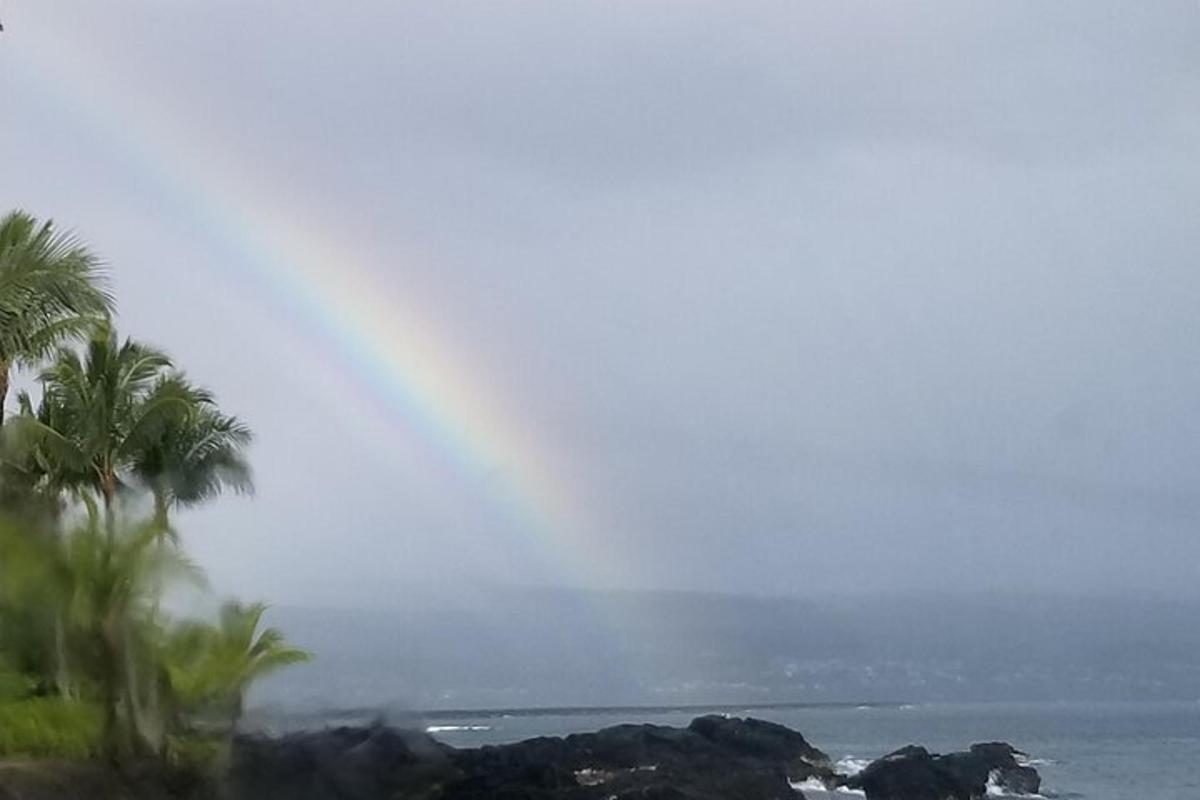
(108, 488)
(160, 508)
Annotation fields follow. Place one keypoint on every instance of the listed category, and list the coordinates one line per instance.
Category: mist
(519, 649)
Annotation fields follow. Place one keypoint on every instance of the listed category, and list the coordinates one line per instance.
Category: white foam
(851, 765)
(994, 789)
(807, 785)
(590, 776)
(812, 785)
(448, 728)
(1026, 761)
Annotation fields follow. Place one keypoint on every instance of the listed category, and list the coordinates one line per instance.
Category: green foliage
(107, 408)
(209, 667)
(16, 685)
(81, 583)
(49, 727)
(51, 289)
(24, 656)
(196, 456)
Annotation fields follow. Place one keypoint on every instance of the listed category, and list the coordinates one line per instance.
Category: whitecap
(851, 765)
(449, 728)
(994, 789)
(807, 785)
(814, 784)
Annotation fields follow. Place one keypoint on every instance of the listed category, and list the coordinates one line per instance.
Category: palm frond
(49, 284)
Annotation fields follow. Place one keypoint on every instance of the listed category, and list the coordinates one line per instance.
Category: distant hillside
(517, 648)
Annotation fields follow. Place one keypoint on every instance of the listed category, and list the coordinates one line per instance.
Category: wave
(448, 728)
(815, 785)
(994, 789)
(808, 785)
(850, 765)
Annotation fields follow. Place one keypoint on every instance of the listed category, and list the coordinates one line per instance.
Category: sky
(774, 298)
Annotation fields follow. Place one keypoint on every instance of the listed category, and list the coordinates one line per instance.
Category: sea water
(1083, 751)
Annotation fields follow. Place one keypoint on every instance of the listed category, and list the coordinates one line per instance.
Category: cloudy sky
(769, 297)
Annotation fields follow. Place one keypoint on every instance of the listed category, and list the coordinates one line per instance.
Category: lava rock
(913, 773)
(713, 758)
(351, 763)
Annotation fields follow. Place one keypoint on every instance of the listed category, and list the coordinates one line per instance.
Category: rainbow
(399, 353)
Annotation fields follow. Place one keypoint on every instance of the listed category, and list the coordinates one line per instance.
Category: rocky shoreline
(713, 758)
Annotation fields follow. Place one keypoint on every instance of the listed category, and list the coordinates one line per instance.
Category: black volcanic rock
(713, 758)
(372, 762)
(758, 738)
(913, 773)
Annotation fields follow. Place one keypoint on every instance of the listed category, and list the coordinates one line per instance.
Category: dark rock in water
(713, 758)
(1007, 772)
(758, 738)
(913, 773)
(910, 773)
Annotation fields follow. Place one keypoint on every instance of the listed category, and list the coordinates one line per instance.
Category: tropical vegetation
(94, 465)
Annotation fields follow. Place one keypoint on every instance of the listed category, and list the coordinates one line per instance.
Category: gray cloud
(812, 297)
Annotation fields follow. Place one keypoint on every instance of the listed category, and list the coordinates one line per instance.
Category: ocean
(1084, 751)
(927, 652)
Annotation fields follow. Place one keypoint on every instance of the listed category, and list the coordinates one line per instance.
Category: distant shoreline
(560, 711)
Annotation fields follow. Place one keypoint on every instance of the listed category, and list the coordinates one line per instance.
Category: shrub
(49, 727)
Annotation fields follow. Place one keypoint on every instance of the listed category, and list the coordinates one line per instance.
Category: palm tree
(107, 408)
(99, 413)
(51, 291)
(210, 667)
(197, 456)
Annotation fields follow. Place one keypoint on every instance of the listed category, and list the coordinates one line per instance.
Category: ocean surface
(1127, 751)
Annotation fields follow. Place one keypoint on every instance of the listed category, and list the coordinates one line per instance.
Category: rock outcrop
(913, 773)
(714, 758)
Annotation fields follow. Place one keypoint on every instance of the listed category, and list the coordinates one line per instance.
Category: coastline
(715, 757)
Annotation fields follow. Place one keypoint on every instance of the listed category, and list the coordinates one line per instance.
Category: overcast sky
(791, 297)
